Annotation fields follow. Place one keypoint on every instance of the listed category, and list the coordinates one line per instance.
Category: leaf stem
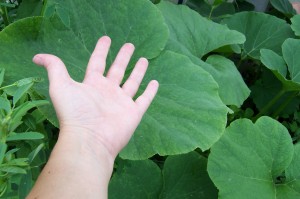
(4, 14)
(265, 109)
(283, 105)
(211, 11)
(44, 7)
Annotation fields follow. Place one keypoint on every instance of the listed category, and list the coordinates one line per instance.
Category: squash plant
(224, 121)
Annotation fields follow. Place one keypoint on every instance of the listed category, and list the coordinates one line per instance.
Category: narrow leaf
(20, 92)
(24, 136)
(12, 169)
(2, 72)
(34, 153)
(3, 148)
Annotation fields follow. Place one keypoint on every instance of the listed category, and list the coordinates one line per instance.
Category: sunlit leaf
(252, 158)
(262, 31)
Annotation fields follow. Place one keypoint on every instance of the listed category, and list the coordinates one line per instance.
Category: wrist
(81, 146)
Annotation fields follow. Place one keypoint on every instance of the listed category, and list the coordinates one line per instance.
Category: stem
(211, 11)
(8, 86)
(4, 14)
(265, 109)
(44, 7)
(283, 105)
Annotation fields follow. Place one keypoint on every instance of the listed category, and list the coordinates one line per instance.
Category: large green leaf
(187, 109)
(189, 31)
(252, 158)
(89, 21)
(188, 36)
(233, 90)
(183, 176)
(187, 112)
(261, 31)
(136, 180)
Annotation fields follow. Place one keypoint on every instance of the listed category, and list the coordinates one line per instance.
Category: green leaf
(89, 20)
(34, 153)
(219, 12)
(22, 110)
(188, 31)
(5, 104)
(28, 80)
(290, 51)
(273, 61)
(250, 158)
(25, 185)
(186, 113)
(267, 88)
(12, 169)
(262, 31)
(189, 37)
(29, 8)
(187, 109)
(136, 180)
(233, 90)
(296, 24)
(291, 187)
(3, 148)
(24, 136)
(54, 7)
(185, 176)
(20, 162)
(9, 5)
(20, 92)
(283, 6)
(2, 72)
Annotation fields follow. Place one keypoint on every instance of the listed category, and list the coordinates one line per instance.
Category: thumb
(56, 69)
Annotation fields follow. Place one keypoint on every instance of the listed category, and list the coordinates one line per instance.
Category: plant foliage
(225, 122)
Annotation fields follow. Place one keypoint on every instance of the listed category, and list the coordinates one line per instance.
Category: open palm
(98, 108)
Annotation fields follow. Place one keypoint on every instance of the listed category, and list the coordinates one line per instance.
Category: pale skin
(97, 118)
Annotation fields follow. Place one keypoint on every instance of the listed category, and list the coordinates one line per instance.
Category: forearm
(74, 171)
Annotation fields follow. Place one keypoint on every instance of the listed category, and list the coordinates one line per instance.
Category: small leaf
(24, 136)
(20, 92)
(17, 162)
(273, 61)
(296, 24)
(290, 51)
(12, 169)
(28, 80)
(283, 6)
(9, 5)
(21, 110)
(3, 148)
(2, 72)
(5, 104)
(34, 153)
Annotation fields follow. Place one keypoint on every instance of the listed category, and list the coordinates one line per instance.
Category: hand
(98, 110)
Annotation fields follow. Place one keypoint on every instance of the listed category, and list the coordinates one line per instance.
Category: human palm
(98, 107)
